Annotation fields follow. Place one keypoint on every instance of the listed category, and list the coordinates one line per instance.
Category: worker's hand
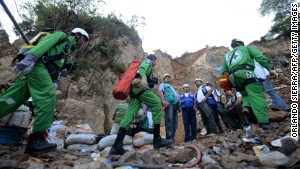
(26, 65)
(143, 84)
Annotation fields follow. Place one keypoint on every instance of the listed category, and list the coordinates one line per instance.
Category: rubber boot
(117, 147)
(157, 140)
(38, 144)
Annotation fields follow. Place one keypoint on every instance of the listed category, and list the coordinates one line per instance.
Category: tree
(282, 19)
(62, 15)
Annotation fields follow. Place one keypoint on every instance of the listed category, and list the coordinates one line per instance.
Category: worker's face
(186, 89)
(79, 40)
(223, 98)
(154, 62)
(198, 83)
(167, 79)
(229, 92)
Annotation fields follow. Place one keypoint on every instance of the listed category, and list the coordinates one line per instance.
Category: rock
(212, 166)
(277, 116)
(8, 163)
(207, 160)
(244, 157)
(129, 156)
(91, 165)
(273, 159)
(294, 158)
(150, 158)
(70, 157)
(180, 155)
(288, 146)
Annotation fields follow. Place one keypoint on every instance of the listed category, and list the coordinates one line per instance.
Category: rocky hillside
(85, 96)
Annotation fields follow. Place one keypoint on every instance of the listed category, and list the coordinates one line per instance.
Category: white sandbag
(81, 139)
(144, 148)
(110, 139)
(141, 114)
(19, 119)
(142, 138)
(4, 120)
(83, 147)
(56, 127)
(23, 108)
(80, 128)
(126, 147)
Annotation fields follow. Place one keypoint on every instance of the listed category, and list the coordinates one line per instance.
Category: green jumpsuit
(37, 83)
(253, 95)
(147, 97)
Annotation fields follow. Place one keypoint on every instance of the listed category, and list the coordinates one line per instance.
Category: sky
(179, 26)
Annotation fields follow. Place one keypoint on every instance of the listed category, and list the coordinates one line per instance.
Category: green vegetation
(282, 19)
(65, 15)
(117, 67)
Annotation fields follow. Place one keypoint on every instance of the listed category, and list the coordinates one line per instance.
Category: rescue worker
(187, 100)
(168, 95)
(35, 81)
(141, 93)
(204, 109)
(239, 63)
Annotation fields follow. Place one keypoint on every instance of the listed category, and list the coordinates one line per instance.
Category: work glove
(143, 83)
(56, 83)
(26, 65)
(273, 73)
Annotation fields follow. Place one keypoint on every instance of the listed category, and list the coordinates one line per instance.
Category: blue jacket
(188, 101)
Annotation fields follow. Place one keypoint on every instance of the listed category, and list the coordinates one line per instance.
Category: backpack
(210, 99)
(43, 34)
(225, 82)
(48, 61)
(169, 94)
(122, 88)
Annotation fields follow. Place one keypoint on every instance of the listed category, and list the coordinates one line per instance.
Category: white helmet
(186, 85)
(166, 75)
(82, 32)
(198, 79)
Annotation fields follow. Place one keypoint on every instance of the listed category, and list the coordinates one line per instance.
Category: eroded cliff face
(89, 99)
(193, 65)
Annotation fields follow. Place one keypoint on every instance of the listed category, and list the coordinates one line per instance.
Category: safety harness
(48, 61)
(241, 67)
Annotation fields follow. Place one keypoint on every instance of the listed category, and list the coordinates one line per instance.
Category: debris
(261, 149)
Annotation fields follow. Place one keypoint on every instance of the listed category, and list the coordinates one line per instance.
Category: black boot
(38, 144)
(117, 148)
(157, 140)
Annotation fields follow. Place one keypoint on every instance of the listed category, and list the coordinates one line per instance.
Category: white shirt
(233, 99)
(260, 71)
(200, 95)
